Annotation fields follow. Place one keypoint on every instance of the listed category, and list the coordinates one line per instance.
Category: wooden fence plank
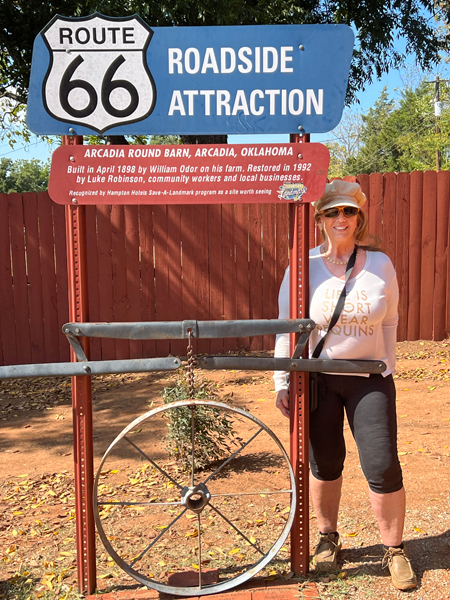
(22, 307)
(281, 243)
(133, 273)
(95, 345)
(202, 260)
(147, 273)
(161, 274)
(442, 232)
(242, 284)
(428, 254)
(59, 227)
(47, 248)
(7, 312)
(217, 289)
(229, 269)
(119, 275)
(34, 268)
(402, 251)
(105, 275)
(389, 210)
(364, 182)
(188, 248)
(274, 240)
(174, 226)
(415, 242)
(375, 199)
(255, 270)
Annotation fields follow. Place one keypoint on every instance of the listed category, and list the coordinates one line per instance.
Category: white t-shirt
(367, 325)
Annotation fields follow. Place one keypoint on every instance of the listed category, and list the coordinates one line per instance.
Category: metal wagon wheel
(164, 518)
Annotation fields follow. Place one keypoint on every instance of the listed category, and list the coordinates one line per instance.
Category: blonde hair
(363, 239)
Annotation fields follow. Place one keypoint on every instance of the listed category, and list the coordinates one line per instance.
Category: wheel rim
(197, 497)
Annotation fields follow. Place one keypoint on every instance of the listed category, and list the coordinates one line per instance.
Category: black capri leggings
(369, 403)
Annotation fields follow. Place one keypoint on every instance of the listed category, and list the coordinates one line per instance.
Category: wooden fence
(202, 262)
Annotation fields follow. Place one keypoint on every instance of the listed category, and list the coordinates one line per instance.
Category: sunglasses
(332, 213)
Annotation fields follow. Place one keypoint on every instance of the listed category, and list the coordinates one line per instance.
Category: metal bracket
(76, 347)
(191, 326)
(301, 344)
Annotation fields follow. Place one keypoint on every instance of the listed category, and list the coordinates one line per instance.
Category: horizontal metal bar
(311, 365)
(178, 330)
(101, 367)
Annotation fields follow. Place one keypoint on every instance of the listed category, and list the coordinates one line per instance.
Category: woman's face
(338, 229)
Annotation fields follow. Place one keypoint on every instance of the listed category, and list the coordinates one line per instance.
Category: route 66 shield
(98, 74)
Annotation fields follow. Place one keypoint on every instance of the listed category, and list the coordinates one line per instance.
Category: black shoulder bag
(313, 391)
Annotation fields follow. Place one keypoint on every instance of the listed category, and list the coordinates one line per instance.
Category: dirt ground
(37, 515)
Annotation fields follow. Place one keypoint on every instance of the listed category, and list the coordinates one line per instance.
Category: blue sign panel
(118, 76)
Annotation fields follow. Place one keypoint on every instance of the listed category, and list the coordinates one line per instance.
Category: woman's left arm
(390, 321)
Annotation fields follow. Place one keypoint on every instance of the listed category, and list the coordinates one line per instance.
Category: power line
(22, 148)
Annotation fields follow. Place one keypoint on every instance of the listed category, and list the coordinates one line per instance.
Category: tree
(346, 142)
(376, 155)
(402, 136)
(23, 175)
(377, 24)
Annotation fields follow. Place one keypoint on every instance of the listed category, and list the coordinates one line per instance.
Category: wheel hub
(195, 497)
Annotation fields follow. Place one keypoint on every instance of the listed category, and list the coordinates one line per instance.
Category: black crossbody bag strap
(339, 305)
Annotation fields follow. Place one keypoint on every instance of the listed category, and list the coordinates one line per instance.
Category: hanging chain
(190, 365)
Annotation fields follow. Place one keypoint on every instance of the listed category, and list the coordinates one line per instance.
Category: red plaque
(190, 174)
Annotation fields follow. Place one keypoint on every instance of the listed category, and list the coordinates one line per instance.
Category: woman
(366, 329)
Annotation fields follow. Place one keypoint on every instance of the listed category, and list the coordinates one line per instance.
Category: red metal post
(81, 395)
(299, 395)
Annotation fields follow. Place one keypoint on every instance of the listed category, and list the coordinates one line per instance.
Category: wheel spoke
(233, 455)
(199, 552)
(252, 493)
(139, 503)
(236, 529)
(153, 463)
(157, 538)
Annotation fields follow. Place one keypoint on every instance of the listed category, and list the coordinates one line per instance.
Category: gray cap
(341, 193)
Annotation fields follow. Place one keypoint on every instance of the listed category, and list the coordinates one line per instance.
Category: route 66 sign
(98, 74)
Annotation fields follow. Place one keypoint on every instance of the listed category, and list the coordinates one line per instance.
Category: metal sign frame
(82, 391)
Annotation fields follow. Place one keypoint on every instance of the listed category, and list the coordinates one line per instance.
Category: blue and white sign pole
(118, 76)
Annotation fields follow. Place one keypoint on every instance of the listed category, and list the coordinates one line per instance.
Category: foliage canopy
(377, 24)
(402, 136)
(23, 175)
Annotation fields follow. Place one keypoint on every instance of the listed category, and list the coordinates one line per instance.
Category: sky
(41, 150)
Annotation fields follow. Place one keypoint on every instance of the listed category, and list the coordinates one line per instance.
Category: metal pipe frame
(83, 369)
(179, 330)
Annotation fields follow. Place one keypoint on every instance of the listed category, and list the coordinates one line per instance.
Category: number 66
(108, 86)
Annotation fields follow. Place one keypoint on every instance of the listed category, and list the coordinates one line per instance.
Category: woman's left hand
(282, 402)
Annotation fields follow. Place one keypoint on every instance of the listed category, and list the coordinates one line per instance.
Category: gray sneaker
(325, 555)
(402, 574)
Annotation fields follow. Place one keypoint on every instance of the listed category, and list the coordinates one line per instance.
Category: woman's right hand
(282, 402)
